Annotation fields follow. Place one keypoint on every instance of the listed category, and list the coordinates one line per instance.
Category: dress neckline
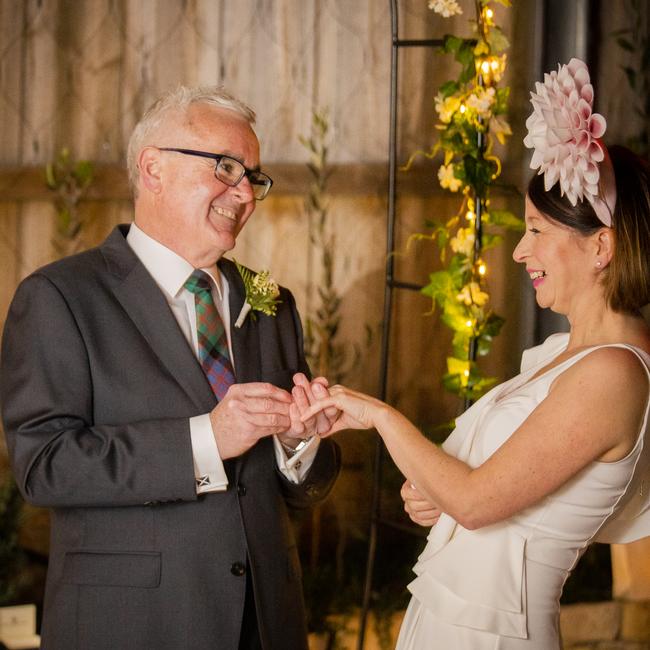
(528, 380)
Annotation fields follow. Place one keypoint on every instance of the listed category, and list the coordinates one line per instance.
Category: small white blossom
(463, 242)
(472, 294)
(447, 178)
(446, 107)
(500, 128)
(445, 8)
(482, 100)
(266, 285)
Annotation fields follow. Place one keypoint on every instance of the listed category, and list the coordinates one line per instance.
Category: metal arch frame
(390, 284)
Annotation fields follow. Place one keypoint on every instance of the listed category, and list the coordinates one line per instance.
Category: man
(168, 483)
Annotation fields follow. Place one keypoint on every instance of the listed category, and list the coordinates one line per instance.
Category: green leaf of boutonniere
(262, 293)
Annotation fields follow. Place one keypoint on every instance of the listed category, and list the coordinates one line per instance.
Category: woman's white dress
(498, 587)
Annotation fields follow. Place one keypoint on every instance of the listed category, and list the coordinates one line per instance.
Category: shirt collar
(167, 268)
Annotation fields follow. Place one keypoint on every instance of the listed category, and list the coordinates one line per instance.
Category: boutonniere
(262, 293)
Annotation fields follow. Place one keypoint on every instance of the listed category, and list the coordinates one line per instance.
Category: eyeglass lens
(231, 171)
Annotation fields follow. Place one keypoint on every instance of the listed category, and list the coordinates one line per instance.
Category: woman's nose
(520, 252)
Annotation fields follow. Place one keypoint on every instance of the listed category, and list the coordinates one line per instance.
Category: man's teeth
(537, 274)
(224, 213)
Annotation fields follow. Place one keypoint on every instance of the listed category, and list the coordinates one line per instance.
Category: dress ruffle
(494, 599)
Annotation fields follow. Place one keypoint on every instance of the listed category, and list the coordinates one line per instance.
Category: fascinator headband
(565, 136)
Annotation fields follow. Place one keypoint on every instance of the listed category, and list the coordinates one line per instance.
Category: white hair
(177, 100)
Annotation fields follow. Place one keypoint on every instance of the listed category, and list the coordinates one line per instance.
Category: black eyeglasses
(230, 171)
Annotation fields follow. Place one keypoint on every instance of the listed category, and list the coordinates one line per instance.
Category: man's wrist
(292, 450)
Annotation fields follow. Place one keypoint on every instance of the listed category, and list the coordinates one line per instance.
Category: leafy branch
(326, 355)
(471, 113)
(69, 179)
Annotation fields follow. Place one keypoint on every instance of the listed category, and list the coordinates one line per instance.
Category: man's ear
(150, 169)
(605, 246)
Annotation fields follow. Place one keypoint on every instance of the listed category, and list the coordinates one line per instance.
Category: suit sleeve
(327, 464)
(59, 455)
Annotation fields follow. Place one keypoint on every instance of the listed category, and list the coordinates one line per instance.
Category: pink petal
(551, 177)
(597, 125)
(584, 109)
(596, 152)
(536, 160)
(575, 64)
(583, 141)
(591, 174)
(587, 93)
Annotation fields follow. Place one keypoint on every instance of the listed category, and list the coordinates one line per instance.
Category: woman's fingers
(314, 391)
(420, 509)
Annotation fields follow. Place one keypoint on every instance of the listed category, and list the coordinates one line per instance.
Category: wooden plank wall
(79, 73)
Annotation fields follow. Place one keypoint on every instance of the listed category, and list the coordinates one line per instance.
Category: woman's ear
(604, 247)
(150, 169)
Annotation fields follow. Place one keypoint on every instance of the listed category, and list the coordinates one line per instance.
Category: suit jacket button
(241, 490)
(238, 569)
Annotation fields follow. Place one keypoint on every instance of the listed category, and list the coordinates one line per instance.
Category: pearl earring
(599, 263)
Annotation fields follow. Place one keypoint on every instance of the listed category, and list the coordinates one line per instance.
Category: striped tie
(213, 345)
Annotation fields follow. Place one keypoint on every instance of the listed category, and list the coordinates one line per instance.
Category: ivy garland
(471, 111)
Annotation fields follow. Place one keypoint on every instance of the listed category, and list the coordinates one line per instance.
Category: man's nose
(243, 190)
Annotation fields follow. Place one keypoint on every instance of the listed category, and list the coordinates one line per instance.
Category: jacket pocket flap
(112, 569)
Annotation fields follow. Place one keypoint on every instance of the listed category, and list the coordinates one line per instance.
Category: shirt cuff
(296, 467)
(209, 472)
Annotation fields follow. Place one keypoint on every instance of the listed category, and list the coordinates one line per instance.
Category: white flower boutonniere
(262, 293)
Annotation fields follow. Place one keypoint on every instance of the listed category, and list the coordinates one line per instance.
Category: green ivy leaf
(501, 100)
(460, 343)
(459, 268)
(493, 325)
(491, 240)
(452, 383)
(454, 314)
(440, 285)
(451, 43)
(497, 40)
(506, 219)
(449, 88)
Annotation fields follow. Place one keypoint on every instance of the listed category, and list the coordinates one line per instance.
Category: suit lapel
(244, 339)
(145, 304)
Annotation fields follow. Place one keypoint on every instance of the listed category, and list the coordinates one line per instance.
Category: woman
(556, 457)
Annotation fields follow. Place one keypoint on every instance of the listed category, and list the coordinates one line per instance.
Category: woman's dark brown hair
(627, 277)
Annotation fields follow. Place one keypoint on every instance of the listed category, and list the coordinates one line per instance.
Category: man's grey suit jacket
(97, 387)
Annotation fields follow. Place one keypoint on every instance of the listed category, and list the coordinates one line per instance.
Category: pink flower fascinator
(565, 135)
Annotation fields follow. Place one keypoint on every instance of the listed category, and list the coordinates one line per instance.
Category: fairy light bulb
(463, 108)
(468, 323)
(466, 373)
(489, 13)
(485, 67)
(495, 65)
(482, 269)
(470, 216)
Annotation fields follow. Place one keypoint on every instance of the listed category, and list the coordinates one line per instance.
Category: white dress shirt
(170, 271)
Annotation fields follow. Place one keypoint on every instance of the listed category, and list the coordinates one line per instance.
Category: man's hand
(247, 413)
(306, 393)
(418, 508)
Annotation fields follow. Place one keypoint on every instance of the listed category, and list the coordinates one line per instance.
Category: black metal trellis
(391, 283)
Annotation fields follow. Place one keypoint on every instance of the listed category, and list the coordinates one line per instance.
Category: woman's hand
(422, 511)
(355, 410)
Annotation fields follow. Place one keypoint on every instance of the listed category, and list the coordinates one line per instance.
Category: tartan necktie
(213, 345)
